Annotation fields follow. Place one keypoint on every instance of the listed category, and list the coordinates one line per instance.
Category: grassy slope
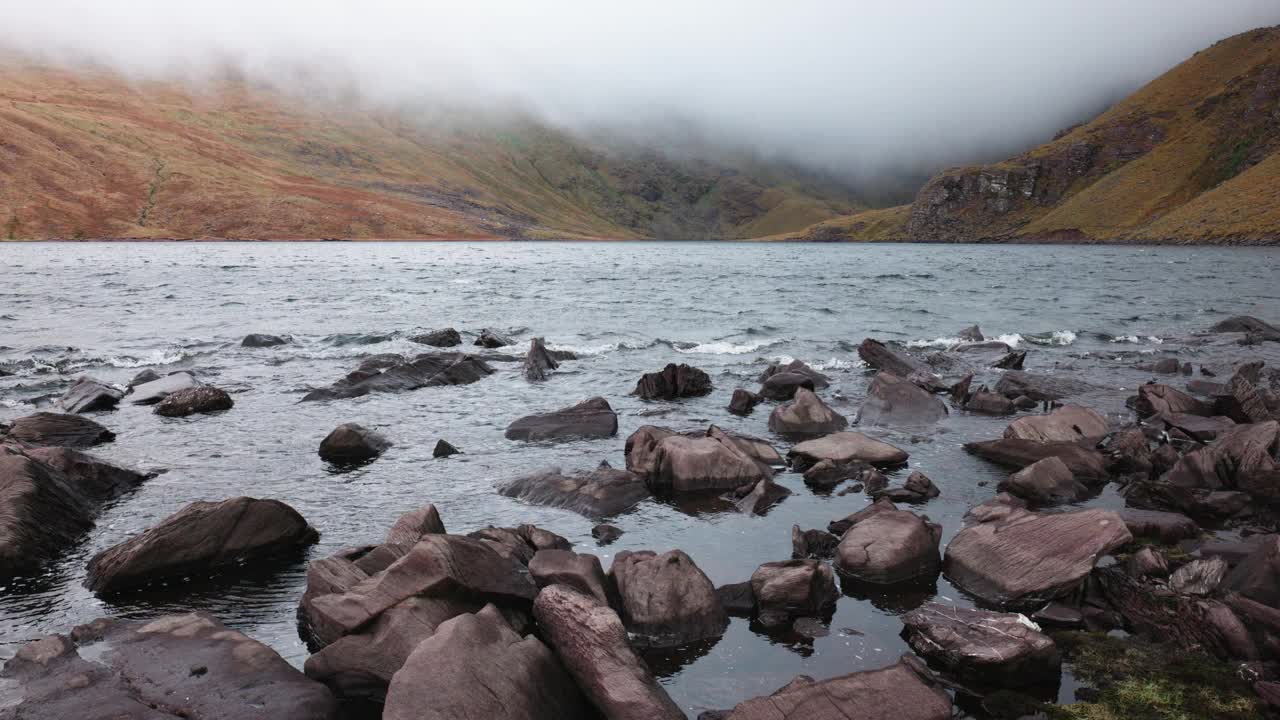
(1192, 156)
(86, 154)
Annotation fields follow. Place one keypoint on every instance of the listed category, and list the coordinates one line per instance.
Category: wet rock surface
(597, 494)
(593, 418)
(984, 648)
(666, 600)
(352, 443)
(89, 395)
(192, 401)
(56, 430)
(672, 382)
(395, 374)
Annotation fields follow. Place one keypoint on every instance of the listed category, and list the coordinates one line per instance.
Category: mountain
(89, 154)
(1190, 157)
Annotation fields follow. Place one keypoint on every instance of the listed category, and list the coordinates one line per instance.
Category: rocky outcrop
(1019, 558)
(394, 374)
(673, 381)
(1069, 423)
(597, 494)
(1243, 324)
(89, 395)
(262, 340)
(793, 589)
(1045, 482)
(846, 448)
(879, 356)
(666, 600)
(1257, 577)
(983, 649)
(905, 691)
(538, 363)
(352, 443)
(894, 401)
(806, 415)
(592, 418)
(884, 546)
(1016, 383)
(200, 538)
(1241, 459)
(743, 402)
(674, 462)
(51, 497)
(188, 666)
(45, 429)
(1087, 466)
(591, 642)
(447, 337)
(492, 672)
(195, 400)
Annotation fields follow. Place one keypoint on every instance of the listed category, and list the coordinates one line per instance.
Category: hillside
(86, 154)
(1190, 157)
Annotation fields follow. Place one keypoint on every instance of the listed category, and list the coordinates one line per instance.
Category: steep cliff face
(1191, 157)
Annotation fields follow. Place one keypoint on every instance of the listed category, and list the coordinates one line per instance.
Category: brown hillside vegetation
(86, 154)
(1191, 157)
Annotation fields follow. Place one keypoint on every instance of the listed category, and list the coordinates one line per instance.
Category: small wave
(1057, 337)
(1010, 339)
(942, 342)
(167, 356)
(1134, 339)
(841, 364)
(722, 348)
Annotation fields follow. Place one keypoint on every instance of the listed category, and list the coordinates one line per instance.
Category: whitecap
(166, 356)
(841, 364)
(1010, 339)
(942, 342)
(1057, 337)
(723, 348)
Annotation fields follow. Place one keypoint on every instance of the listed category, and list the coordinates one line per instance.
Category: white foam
(841, 364)
(724, 348)
(1057, 337)
(166, 356)
(1126, 339)
(942, 342)
(586, 350)
(1010, 339)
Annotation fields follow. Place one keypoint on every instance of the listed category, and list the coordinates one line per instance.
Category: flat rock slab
(983, 648)
(898, 692)
(592, 418)
(596, 495)
(150, 393)
(1021, 558)
(1069, 423)
(178, 666)
(1088, 466)
(845, 448)
(46, 429)
(894, 401)
(1016, 383)
(87, 395)
(394, 374)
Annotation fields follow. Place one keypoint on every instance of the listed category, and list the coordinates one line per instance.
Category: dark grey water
(111, 309)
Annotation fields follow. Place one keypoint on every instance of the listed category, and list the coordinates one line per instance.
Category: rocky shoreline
(533, 627)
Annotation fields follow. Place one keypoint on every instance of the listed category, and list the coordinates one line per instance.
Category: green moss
(1141, 681)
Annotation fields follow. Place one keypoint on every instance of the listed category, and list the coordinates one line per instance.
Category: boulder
(1023, 558)
(1165, 527)
(1257, 577)
(917, 489)
(763, 495)
(666, 600)
(1161, 400)
(538, 363)
(606, 534)
(50, 498)
(190, 401)
(1197, 427)
(591, 642)
(1013, 360)
(791, 589)
(971, 334)
(783, 385)
(492, 672)
(894, 401)
(1045, 482)
(144, 376)
(1069, 423)
(845, 448)
(1240, 459)
(743, 402)
(582, 572)
(1199, 577)
(202, 537)
(879, 356)
(592, 418)
(520, 543)
(44, 429)
(1016, 383)
(1088, 466)
(673, 381)
(905, 691)
(188, 666)
(1128, 451)
(797, 367)
(88, 395)
(1243, 324)
(352, 443)
(447, 337)
(983, 649)
(887, 546)
(737, 599)
(597, 494)
(153, 391)
(806, 415)
(671, 462)
(415, 525)
(444, 449)
(812, 544)
(492, 339)
(826, 474)
(395, 374)
(989, 403)
(262, 340)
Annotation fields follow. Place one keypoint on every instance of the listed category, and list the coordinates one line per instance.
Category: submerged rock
(845, 448)
(492, 339)
(190, 401)
(743, 402)
(1022, 558)
(806, 415)
(88, 395)
(202, 537)
(673, 381)
(1014, 360)
(1016, 383)
(492, 672)
(894, 401)
(606, 534)
(763, 495)
(666, 599)
(597, 494)
(447, 337)
(538, 363)
(885, 546)
(592, 418)
(44, 429)
(189, 666)
(982, 648)
(352, 443)
(262, 340)
(444, 449)
(905, 691)
(394, 374)
(1069, 423)
(590, 641)
(51, 497)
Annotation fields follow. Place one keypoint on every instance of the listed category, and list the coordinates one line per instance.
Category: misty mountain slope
(1192, 156)
(85, 154)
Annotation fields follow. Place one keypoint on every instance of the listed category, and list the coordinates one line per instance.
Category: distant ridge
(1189, 158)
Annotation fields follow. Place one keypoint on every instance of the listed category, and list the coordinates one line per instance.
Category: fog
(857, 88)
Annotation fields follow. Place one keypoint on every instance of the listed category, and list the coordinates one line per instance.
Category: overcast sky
(850, 86)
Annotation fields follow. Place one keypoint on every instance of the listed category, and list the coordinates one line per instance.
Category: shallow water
(111, 309)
